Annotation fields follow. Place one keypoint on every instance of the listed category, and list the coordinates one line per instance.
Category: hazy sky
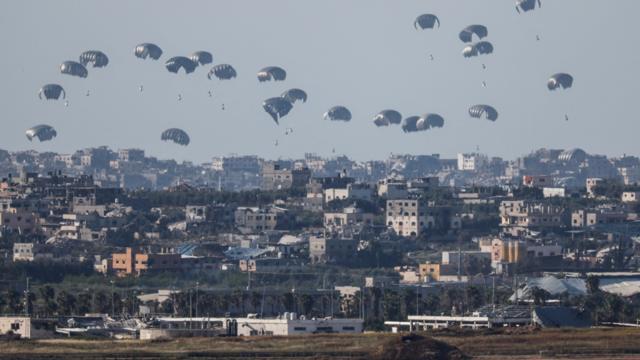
(364, 54)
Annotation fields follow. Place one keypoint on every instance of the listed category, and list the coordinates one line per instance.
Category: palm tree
(593, 284)
(66, 303)
(48, 295)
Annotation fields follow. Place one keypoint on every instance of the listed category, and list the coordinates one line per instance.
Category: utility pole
(113, 304)
(26, 298)
(417, 300)
(190, 310)
(197, 296)
(493, 291)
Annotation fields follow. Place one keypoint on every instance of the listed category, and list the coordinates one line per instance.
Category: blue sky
(364, 54)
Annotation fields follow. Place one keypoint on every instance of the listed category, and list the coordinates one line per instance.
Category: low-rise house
(553, 192)
(274, 177)
(598, 216)
(133, 262)
(537, 181)
(255, 220)
(350, 191)
(348, 216)
(329, 249)
(26, 327)
(270, 265)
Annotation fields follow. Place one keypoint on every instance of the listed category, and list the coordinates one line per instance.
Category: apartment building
(407, 217)
(519, 216)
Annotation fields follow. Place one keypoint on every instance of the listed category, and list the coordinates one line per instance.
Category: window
(348, 328)
(300, 328)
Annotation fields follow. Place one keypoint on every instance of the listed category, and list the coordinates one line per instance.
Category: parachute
(466, 35)
(422, 123)
(483, 111)
(560, 80)
(277, 107)
(387, 117)
(178, 136)
(176, 63)
(428, 121)
(222, 72)
(96, 58)
(426, 21)
(145, 50)
(42, 132)
(201, 57)
(74, 69)
(272, 73)
(480, 48)
(410, 124)
(338, 113)
(293, 95)
(51, 92)
(527, 5)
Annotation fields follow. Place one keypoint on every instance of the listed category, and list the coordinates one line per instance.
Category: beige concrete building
(348, 216)
(630, 196)
(23, 252)
(26, 327)
(537, 181)
(586, 218)
(519, 216)
(276, 178)
(407, 217)
(256, 219)
(331, 250)
(592, 183)
(14, 220)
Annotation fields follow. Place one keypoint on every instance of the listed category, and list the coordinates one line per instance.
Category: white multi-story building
(472, 162)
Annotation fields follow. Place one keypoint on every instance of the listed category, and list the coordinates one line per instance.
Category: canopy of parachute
(41, 132)
(426, 21)
(338, 113)
(277, 107)
(52, 92)
(479, 48)
(180, 62)
(527, 5)
(480, 31)
(74, 69)
(222, 72)
(145, 50)
(387, 117)
(95, 58)
(422, 123)
(201, 57)
(483, 111)
(274, 73)
(178, 136)
(429, 121)
(294, 95)
(560, 80)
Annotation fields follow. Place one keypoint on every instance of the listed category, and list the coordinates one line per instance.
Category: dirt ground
(522, 343)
